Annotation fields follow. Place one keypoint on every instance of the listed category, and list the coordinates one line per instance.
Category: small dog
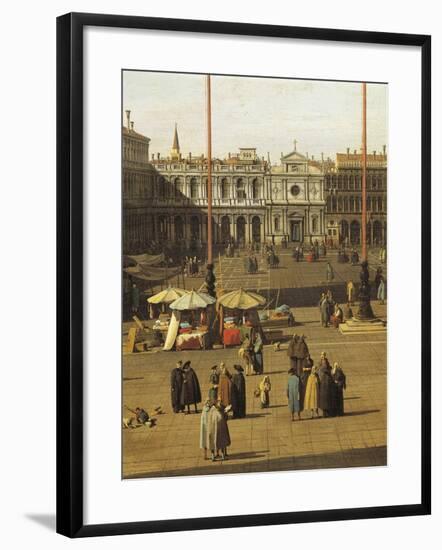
(277, 346)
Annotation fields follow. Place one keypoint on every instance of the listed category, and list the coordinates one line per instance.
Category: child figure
(264, 392)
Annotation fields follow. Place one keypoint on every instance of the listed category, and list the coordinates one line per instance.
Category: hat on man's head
(214, 367)
(238, 368)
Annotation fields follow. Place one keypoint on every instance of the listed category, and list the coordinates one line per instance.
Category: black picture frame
(70, 273)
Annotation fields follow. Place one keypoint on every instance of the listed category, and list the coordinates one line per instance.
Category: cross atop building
(294, 144)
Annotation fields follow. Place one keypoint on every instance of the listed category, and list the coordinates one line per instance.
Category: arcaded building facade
(165, 198)
(344, 198)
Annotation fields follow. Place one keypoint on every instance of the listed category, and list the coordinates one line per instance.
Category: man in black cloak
(238, 395)
(298, 353)
(176, 384)
(326, 390)
(190, 391)
(339, 386)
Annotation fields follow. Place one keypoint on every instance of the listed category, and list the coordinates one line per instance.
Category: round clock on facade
(295, 190)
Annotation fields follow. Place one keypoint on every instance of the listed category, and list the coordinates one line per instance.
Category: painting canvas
(256, 342)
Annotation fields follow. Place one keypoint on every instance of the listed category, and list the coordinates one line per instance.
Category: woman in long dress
(312, 393)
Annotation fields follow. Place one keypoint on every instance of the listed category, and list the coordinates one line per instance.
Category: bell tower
(175, 151)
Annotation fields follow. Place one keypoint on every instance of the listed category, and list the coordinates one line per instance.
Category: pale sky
(264, 113)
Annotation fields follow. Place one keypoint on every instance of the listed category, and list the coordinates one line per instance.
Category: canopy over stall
(167, 296)
(188, 326)
(192, 300)
(244, 318)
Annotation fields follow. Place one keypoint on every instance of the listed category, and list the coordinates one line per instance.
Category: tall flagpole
(210, 276)
(209, 173)
(364, 171)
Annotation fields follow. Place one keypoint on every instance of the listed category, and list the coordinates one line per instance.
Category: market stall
(188, 327)
(165, 297)
(281, 316)
(238, 315)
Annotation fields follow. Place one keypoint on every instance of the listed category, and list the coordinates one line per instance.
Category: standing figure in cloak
(302, 356)
(326, 390)
(213, 381)
(176, 385)
(292, 350)
(225, 386)
(381, 290)
(258, 359)
(311, 396)
(218, 436)
(264, 392)
(204, 426)
(238, 393)
(339, 387)
(246, 354)
(190, 392)
(324, 309)
(350, 292)
(323, 363)
(293, 395)
(329, 273)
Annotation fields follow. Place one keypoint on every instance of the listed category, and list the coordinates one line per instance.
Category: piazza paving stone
(267, 440)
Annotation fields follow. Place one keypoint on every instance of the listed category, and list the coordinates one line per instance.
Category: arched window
(380, 204)
(178, 187)
(162, 188)
(277, 223)
(193, 188)
(352, 204)
(314, 224)
(256, 189)
(225, 189)
(240, 189)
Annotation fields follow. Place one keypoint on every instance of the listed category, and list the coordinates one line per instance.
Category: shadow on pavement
(351, 458)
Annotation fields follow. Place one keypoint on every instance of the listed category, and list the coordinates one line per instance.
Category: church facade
(252, 200)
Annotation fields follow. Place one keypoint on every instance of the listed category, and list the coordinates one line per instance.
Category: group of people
(251, 352)
(251, 263)
(316, 388)
(191, 266)
(331, 312)
(185, 388)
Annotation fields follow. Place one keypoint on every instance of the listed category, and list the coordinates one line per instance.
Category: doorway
(296, 231)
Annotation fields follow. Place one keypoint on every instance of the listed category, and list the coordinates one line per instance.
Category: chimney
(128, 119)
(229, 155)
(313, 157)
(131, 126)
(190, 155)
(348, 152)
(153, 156)
(322, 157)
(374, 154)
(158, 156)
(384, 148)
(355, 151)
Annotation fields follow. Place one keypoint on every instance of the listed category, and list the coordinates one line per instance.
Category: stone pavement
(266, 440)
(294, 283)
